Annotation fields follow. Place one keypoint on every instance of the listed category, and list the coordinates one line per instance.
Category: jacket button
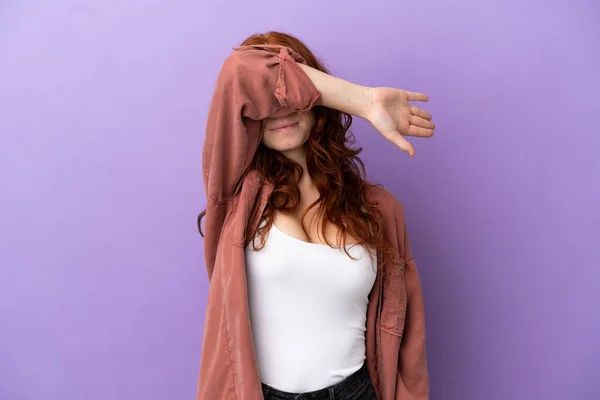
(259, 179)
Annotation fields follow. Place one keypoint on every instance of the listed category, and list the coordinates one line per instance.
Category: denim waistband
(340, 390)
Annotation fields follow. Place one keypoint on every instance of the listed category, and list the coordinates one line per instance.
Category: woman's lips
(285, 127)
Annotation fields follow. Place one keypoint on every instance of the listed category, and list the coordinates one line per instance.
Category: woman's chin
(287, 147)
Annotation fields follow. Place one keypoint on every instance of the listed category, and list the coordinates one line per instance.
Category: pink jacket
(255, 83)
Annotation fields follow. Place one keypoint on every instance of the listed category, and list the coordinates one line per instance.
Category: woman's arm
(387, 109)
(413, 375)
(253, 84)
(340, 94)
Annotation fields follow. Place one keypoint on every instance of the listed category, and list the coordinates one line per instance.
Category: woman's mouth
(285, 128)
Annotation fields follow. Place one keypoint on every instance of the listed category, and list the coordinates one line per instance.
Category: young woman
(314, 293)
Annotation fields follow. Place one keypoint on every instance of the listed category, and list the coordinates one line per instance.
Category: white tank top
(308, 310)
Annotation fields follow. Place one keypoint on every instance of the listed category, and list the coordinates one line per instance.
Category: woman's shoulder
(390, 205)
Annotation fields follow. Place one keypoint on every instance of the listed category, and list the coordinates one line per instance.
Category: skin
(291, 143)
(386, 108)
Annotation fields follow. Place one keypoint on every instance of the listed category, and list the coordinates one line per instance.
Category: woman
(313, 289)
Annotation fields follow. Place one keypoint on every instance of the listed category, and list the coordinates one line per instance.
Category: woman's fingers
(403, 144)
(414, 96)
(419, 112)
(415, 130)
(421, 122)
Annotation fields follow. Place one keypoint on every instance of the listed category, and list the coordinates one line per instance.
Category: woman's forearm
(340, 94)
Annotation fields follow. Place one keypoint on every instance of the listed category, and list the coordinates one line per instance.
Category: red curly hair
(334, 168)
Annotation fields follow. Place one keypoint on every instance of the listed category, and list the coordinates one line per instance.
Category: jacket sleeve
(254, 82)
(412, 365)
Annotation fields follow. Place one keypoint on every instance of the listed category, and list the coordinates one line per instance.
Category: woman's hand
(394, 118)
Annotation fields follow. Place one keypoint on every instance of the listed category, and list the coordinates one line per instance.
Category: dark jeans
(355, 387)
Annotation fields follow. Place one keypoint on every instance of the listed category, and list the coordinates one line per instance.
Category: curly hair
(334, 167)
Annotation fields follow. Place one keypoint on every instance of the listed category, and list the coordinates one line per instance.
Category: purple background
(102, 110)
